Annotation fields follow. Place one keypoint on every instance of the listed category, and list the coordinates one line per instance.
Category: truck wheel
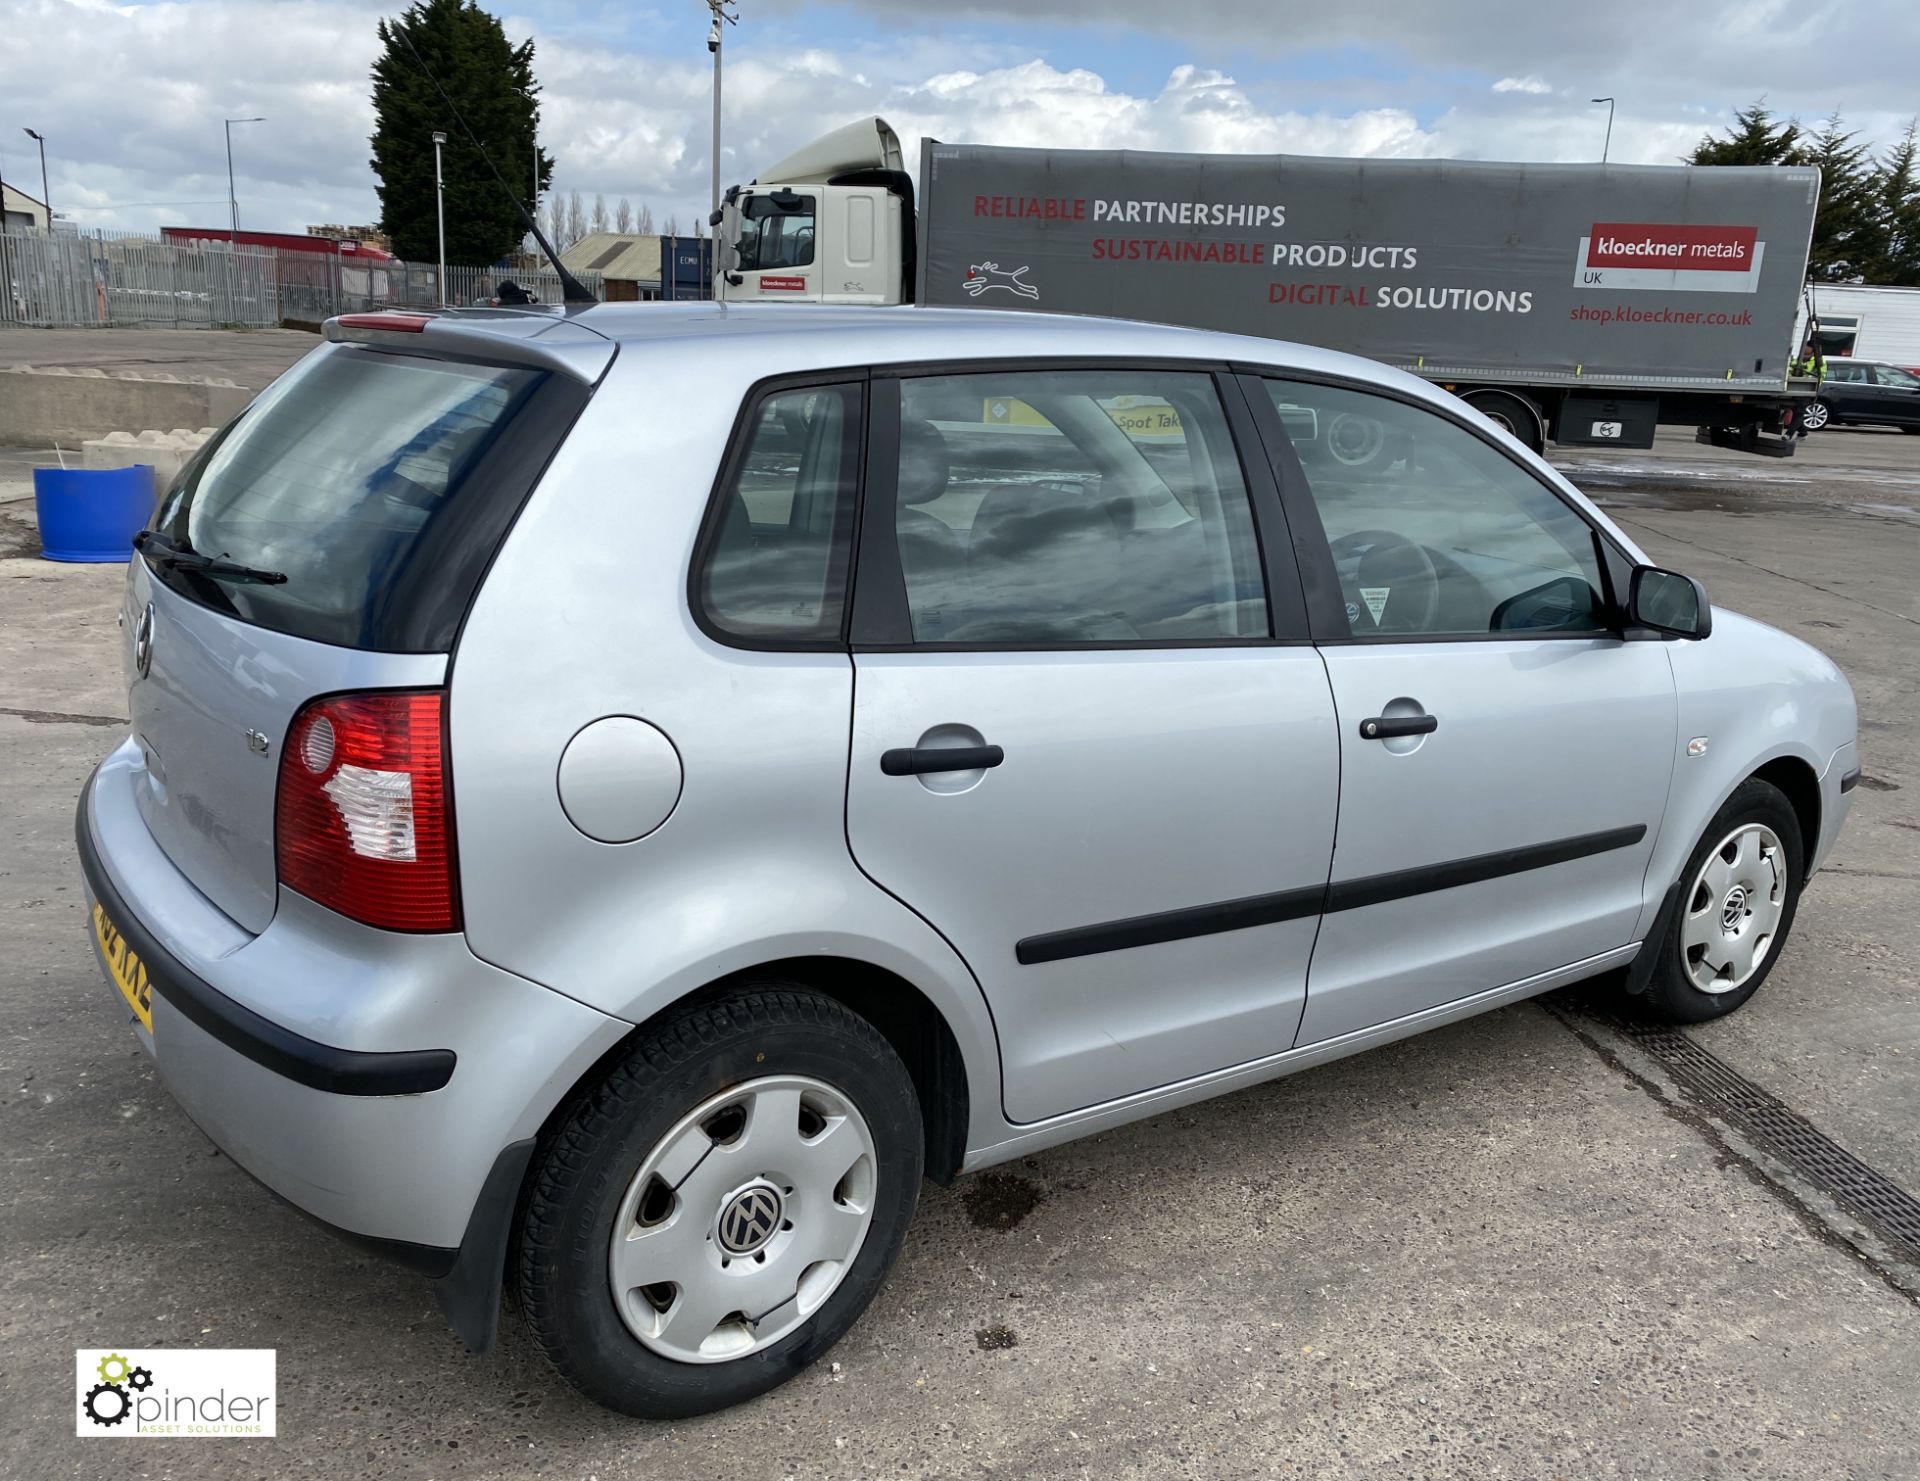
(713, 1214)
(1815, 415)
(1512, 414)
(1360, 442)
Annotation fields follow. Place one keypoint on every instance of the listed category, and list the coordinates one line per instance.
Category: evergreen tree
(1896, 202)
(491, 83)
(1848, 232)
(1756, 139)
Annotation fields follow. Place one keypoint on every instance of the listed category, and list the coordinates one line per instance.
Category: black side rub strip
(1850, 780)
(260, 1039)
(1377, 889)
(1348, 894)
(1171, 925)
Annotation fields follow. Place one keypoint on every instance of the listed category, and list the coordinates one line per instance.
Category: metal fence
(70, 281)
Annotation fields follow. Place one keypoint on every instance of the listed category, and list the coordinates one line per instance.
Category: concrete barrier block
(42, 408)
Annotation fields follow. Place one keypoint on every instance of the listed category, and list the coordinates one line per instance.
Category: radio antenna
(572, 290)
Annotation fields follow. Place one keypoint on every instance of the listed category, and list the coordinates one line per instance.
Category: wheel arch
(906, 1017)
(1800, 783)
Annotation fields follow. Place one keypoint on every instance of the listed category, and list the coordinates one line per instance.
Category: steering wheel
(1404, 568)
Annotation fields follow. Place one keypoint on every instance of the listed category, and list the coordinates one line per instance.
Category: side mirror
(1668, 603)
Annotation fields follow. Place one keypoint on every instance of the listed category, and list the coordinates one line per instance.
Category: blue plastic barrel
(92, 514)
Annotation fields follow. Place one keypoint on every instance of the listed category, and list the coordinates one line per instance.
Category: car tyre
(768, 1033)
(1512, 414)
(1815, 415)
(1735, 908)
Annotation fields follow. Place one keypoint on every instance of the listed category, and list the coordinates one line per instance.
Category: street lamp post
(721, 13)
(233, 200)
(46, 196)
(1608, 143)
(440, 212)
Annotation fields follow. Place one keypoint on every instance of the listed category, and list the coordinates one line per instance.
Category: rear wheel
(717, 1211)
(1738, 897)
(1815, 415)
(1510, 413)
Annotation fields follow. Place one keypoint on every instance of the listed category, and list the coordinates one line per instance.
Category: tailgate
(209, 715)
(328, 541)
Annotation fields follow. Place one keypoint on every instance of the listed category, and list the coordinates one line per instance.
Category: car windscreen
(377, 484)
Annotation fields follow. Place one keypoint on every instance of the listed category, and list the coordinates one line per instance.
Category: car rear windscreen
(378, 484)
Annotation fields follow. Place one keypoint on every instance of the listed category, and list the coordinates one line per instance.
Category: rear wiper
(157, 548)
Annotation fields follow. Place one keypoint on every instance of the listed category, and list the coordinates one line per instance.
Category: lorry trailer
(1583, 304)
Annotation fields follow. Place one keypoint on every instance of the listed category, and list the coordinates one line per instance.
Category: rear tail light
(364, 822)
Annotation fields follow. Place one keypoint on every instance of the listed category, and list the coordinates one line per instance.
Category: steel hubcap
(743, 1219)
(1734, 909)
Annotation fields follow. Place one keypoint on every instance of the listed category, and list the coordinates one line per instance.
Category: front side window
(1433, 531)
(775, 566)
(776, 231)
(1053, 508)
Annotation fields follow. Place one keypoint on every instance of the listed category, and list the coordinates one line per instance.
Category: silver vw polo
(616, 796)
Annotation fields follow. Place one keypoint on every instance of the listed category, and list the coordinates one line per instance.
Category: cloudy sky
(131, 96)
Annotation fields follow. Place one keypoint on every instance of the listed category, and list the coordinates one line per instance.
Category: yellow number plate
(124, 966)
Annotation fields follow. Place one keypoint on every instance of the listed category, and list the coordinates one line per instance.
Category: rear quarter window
(380, 484)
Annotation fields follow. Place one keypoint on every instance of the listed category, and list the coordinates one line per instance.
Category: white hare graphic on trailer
(982, 277)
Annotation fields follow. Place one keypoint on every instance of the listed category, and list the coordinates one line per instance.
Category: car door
(1899, 393)
(1847, 389)
(1091, 744)
(1504, 754)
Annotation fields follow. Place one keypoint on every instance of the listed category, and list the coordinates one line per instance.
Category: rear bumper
(375, 1081)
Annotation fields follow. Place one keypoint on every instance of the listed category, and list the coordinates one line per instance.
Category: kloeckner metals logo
(195, 1393)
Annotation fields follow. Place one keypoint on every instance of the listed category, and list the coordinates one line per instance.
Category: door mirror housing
(1668, 603)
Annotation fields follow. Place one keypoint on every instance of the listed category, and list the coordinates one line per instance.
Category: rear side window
(379, 484)
(774, 570)
(1051, 508)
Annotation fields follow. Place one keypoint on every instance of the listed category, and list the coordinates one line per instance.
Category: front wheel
(1815, 415)
(717, 1211)
(1738, 897)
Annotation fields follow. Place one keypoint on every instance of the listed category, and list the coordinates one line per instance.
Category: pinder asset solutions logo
(183, 1393)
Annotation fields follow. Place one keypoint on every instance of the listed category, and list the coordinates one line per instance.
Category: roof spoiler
(538, 339)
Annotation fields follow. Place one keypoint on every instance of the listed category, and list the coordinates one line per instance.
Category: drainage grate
(1780, 1130)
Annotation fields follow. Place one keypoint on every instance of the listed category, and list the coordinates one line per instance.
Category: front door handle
(926, 760)
(1386, 727)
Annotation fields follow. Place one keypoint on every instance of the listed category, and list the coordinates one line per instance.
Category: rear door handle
(1386, 727)
(925, 760)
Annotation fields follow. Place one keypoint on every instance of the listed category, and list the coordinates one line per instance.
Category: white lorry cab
(836, 226)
